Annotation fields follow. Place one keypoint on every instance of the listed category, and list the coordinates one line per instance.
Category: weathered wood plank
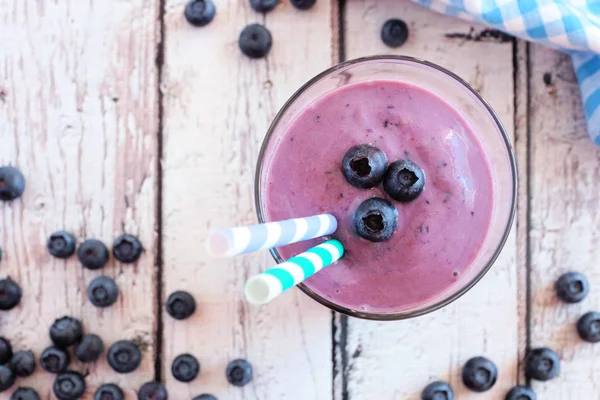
(217, 107)
(407, 355)
(78, 117)
(564, 223)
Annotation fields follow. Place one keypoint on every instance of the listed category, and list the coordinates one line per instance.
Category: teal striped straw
(264, 287)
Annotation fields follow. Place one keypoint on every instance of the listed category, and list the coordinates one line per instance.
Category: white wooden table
(125, 118)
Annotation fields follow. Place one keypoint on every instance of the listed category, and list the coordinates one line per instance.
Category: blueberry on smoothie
(363, 166)
(572, 287)
(404, 181)
(588, 327)
(542, 364)
(479, 374)
(437, 390)
(375, 219)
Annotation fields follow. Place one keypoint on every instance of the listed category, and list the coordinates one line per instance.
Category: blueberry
(479, 374)
(127, 249)
(375, 219)
(12, 183)
(55, 359)
(103, 291)
(69, 385)
(263, 5)
(153, 391)
(542, 364)
(404, 180)
(89, 349)
(180, 305)
(588, 327)
(205, 397)
(394, 32)
(520, 393)
(92, 254)
(24, 393)
(239, 372)
(7, 377)
(437, 391)
(363, 166)
(5, 351)
(10, 294)
(200, 12)
(303, 4)
(66, 331)
(124, 356)
(109, 391)
(185, 368)
(255, 41)
(572, 287)
(61, 244)
(22, 363)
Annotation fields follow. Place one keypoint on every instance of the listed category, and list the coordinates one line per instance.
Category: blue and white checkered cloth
(572, 26)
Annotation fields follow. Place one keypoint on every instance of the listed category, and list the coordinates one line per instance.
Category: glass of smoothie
(416, 167)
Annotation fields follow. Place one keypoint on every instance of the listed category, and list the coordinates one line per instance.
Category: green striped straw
(262, 288)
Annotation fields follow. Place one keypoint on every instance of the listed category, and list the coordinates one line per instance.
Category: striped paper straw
(246, 239)
(262, 288)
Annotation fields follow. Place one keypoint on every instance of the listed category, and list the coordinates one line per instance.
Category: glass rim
(507, 146)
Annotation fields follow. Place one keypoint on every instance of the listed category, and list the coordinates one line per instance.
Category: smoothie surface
(439, 234)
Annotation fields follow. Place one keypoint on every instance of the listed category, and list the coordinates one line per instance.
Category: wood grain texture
(395, 360)
(565, 171)
(78, 117)
(217, 107)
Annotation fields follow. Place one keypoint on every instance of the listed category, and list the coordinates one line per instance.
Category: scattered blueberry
(103, 291)
(66, 331)
(263, 5)
(92, 254)
(69, 385)
(0, 253)
(394, 32)
(61, 244)
(109, 391)
(239, 372)
(180, 305)
(200, 12)
(542, 364)
(7, 377)
(375, 219)
(572, 287)
(363, 166)
(205, 397)
(12, 183)
(153, 391)
(22, 363)
(5, 351)
(185, 368)
(127, 249)
(479, 374)
(124, 356)
(55, 359)
(404, 181)
(437, 391)
(303, 4)
(588, 327)
(89, 349)
(255, 41)
(24, 393)
(520, 393)
(10, 294)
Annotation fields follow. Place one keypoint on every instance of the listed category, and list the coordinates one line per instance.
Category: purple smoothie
(439, 234)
